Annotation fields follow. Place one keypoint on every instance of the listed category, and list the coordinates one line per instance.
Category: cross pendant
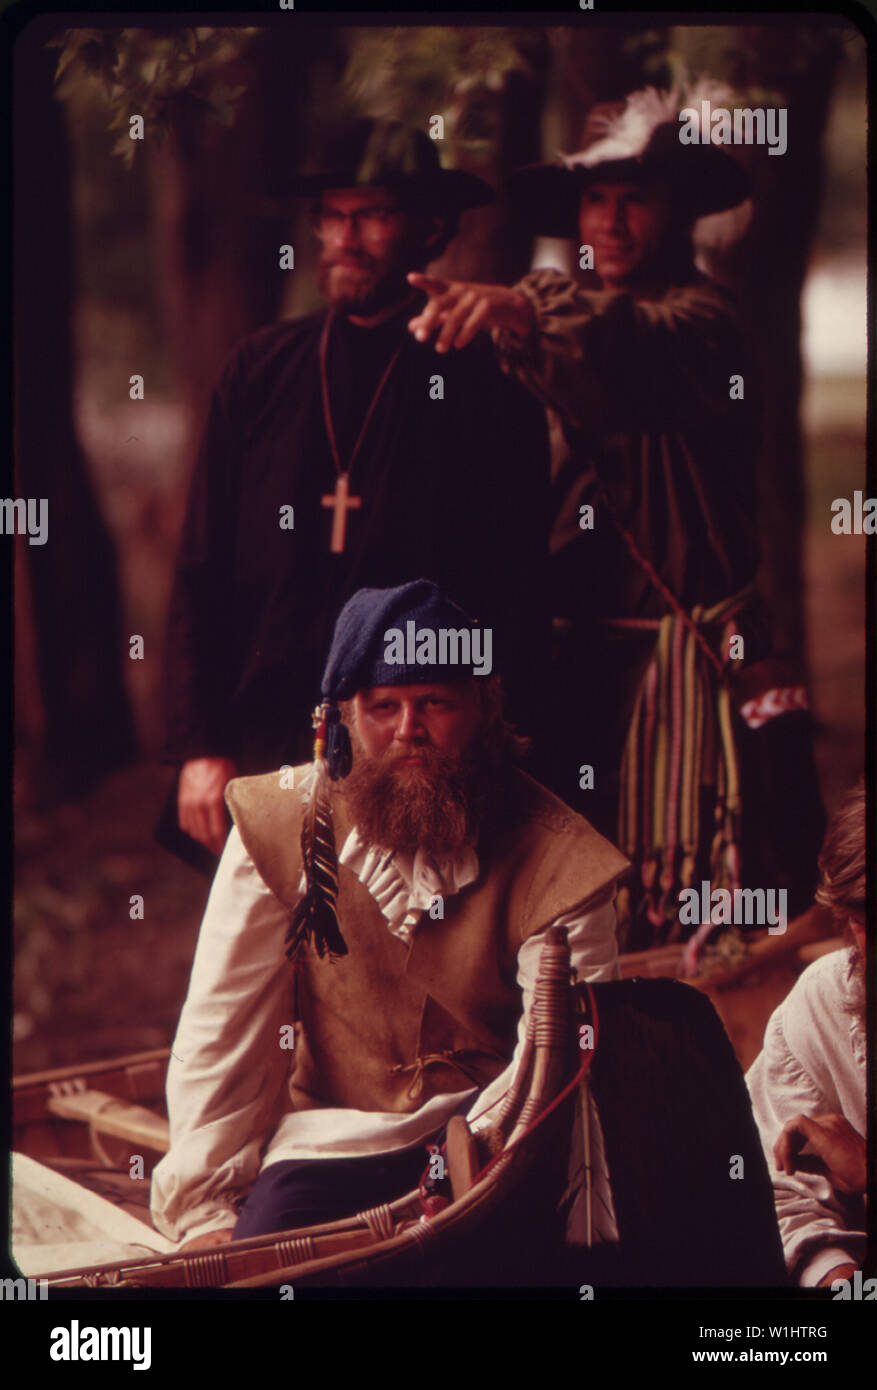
(342, 502)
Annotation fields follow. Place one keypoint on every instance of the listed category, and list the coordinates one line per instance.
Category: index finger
(430, 283)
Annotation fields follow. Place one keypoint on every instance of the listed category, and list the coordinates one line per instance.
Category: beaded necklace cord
(327, 408)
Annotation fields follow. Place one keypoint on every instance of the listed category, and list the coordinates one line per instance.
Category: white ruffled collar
(404, 886)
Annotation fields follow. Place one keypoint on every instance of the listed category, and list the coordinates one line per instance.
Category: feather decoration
(625, 135)
(315, 919)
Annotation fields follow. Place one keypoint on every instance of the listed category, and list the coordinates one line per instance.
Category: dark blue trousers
(305, 1192)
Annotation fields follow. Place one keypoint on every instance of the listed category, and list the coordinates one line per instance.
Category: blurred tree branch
(163, 76)
(412, 74)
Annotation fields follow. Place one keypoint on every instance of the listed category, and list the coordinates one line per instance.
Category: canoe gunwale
(377, 1237)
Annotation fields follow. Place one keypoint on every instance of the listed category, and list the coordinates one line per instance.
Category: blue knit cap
(357, 657)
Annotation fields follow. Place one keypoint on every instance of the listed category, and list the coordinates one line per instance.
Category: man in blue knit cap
(409, 873)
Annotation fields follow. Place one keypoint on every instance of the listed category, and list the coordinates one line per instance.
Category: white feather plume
(626, 135)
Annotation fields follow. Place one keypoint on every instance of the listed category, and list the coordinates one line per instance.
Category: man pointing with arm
(705, 741)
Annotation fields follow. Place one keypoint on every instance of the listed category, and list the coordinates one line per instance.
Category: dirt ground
(90, 981)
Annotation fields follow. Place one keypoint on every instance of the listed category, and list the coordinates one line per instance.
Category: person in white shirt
(808, 1083)
(415, 950)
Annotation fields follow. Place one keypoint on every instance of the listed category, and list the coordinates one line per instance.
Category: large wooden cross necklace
(341, 500)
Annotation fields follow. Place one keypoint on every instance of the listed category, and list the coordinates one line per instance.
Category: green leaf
(73, 45)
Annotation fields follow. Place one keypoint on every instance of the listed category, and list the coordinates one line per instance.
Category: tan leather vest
(391, 1024)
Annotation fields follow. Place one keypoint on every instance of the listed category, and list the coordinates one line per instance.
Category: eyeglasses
(330, 221)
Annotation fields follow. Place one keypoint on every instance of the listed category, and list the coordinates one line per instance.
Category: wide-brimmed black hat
(386, 154)
(632, 140)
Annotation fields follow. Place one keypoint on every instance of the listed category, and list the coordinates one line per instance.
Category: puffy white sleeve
(228, 1069)
(812, 1226)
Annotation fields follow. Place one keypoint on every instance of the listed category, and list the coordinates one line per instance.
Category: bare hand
(200, 800)
(839, 1272)
(457, 310)
(206, 1241)
(833, 1139)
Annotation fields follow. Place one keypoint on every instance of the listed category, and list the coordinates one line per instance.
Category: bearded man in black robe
(339, 454)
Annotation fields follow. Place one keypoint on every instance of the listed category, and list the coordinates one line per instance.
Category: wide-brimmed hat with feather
(637, 140)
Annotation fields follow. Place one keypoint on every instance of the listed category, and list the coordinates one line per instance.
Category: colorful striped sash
(679, 747)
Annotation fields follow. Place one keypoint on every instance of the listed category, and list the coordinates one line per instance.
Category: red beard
(361, 288)
(436, 805)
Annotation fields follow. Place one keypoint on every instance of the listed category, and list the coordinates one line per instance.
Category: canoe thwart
(108, 1114)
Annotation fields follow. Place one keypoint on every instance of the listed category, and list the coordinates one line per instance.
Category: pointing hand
(457, 310)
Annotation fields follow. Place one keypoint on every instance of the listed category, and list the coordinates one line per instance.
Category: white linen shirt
(227, 1067)
(812, 1063)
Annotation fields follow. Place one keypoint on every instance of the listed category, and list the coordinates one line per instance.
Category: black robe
(454, 490)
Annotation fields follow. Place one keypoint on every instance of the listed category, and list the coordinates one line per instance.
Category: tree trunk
(786, 200)
(798, 64)
(78, 643)
(217, 268)
(217, 235)
(491, 248)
